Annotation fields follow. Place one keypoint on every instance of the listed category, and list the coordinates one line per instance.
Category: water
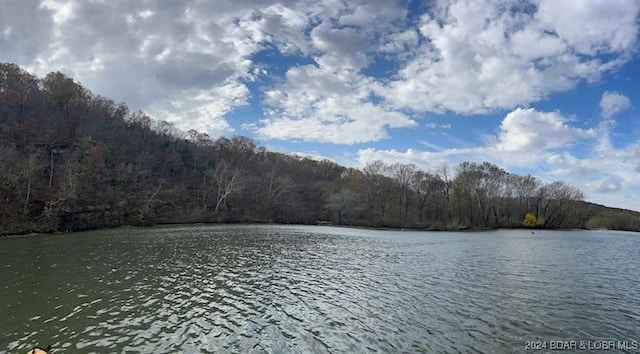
(292, 289)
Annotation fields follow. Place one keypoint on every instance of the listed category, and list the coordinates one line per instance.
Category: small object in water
(532, 233)
(39, 350)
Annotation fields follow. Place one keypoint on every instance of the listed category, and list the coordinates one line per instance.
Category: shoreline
(361, 227)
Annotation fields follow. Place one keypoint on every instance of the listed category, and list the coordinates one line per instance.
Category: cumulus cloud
(611, 28)
(463, 57)
(313, 106)
(606, 176)
(341, 47)
(526, 137)
(333, 101)
(613, 102)
(426, 160)
(530, 131)
(478, 56)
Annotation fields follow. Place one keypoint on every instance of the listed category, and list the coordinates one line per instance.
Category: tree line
(73, 160)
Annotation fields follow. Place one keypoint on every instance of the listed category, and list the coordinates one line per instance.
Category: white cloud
(211, 105)
(479, 56)
(594, 26)
(426, 160)
(341, 47)
(526, 138)
(312, 105)
(282, 26)
(528, 131)
(608, 184)
(433, 125)
(607, 177)
(400, 43)
(613, 102)
(333, 101)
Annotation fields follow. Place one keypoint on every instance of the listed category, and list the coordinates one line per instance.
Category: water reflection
(315, 289)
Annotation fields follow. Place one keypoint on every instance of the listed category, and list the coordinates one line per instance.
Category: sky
(541, 87)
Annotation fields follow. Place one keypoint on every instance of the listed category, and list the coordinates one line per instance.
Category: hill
(72, 160)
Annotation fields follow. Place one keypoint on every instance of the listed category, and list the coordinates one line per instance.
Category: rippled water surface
(291, 289)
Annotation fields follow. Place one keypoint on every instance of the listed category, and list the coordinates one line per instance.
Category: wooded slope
(72, 160)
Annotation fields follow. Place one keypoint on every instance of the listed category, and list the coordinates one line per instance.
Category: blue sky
(546, 87)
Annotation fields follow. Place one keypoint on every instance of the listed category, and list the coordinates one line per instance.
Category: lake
(293, 289)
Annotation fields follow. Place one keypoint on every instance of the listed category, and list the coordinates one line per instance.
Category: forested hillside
(72, 160)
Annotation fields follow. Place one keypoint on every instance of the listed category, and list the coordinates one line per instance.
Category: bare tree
(402, 174)
(377, 187)
(557, 199)
(275, 186)
(226, 181)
